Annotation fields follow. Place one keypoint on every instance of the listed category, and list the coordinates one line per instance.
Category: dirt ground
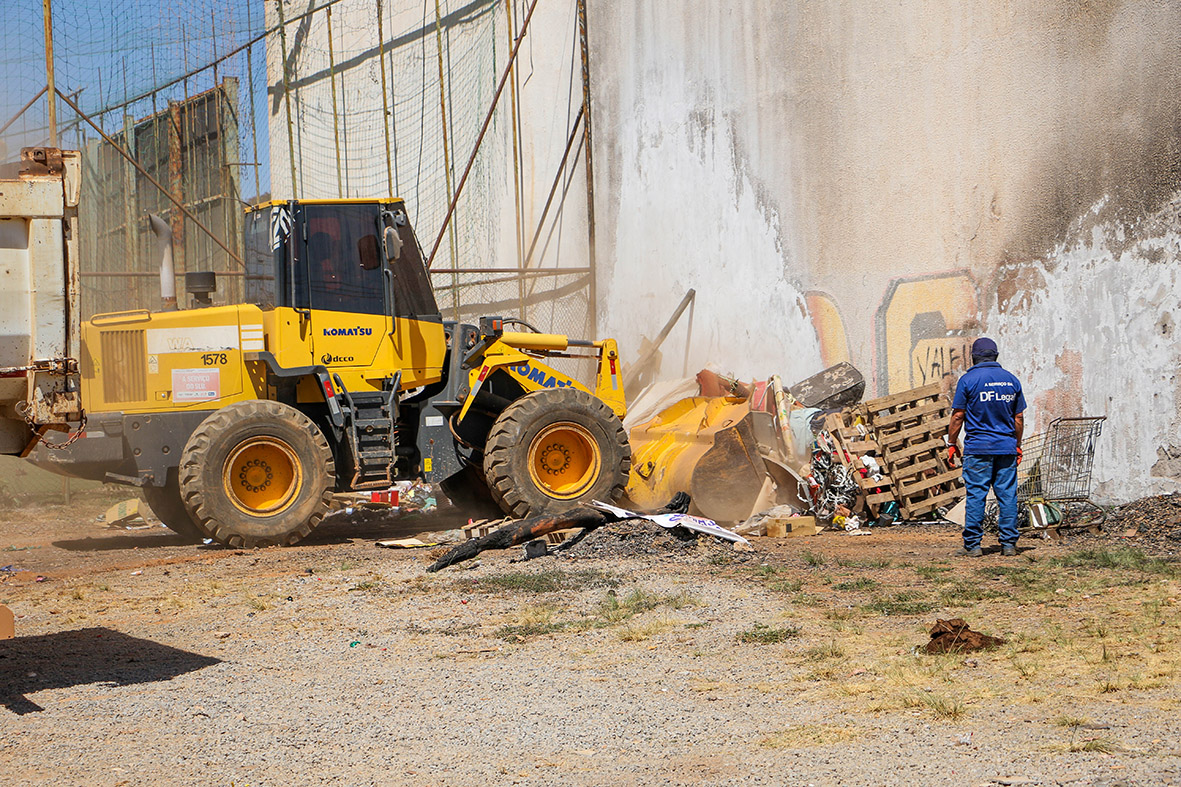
(143, 660)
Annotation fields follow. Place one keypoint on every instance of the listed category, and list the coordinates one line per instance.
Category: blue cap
(984, 348)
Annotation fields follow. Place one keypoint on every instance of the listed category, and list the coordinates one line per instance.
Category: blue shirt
(990, 398)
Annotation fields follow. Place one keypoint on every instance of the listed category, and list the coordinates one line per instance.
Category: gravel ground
(142, 660)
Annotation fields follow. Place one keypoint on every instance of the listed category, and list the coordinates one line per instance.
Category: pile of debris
(1151, 524)
(742, 449)
(643, 538)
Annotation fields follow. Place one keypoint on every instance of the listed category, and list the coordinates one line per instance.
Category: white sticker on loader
(207, 339)
(196, 385)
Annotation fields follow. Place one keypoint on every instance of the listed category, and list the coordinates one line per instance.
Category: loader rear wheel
(257, 473)
(552, 449)
(166, 504)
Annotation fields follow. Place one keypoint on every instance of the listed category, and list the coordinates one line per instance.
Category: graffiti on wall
(923, 330)
(925, 326)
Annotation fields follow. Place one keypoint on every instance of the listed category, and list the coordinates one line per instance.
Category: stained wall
(883, 183)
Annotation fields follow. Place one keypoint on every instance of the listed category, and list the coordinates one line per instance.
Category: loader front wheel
(166, 504)
(552, 449)
(257, 473)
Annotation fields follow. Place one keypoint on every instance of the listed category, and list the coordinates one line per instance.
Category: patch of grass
(845, 562)
(943, 707)
(550, 581)
(962, 593)
(1108, 686)
(1123, 558)
(520, 632)
(901, 603)
(615, 608)
(257, 603)
(640, 630)
(805, 735)
(1026, 668)
(813, 559)
(1071, 721)
(531, 621)
(786, 585)
(1097, 745)
(1021, 576)
(840, 613)
(808, 600)
(762, 634)
(830, 650)
(932, 573)
(861, 583)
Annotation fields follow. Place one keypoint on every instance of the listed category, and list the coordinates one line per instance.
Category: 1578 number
(213, 359)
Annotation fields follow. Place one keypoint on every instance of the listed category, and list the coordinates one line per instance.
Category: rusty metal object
(837, 386)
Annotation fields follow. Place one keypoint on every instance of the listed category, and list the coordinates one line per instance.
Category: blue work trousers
(1000, 473)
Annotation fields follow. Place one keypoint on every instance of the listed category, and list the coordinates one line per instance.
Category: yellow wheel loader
(338, 374)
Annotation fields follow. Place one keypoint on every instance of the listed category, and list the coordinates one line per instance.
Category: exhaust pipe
(163, 235)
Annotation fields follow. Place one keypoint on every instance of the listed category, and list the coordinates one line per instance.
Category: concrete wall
(884, 182)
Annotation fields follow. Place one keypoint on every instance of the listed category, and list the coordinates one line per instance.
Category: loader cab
(352, 256)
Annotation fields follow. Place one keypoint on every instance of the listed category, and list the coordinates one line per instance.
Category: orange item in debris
(7, 626)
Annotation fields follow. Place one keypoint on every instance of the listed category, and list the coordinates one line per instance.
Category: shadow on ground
(164, 538)
(365, 524)
(91, 655)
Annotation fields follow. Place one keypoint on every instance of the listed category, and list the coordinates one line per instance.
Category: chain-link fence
(193, 110)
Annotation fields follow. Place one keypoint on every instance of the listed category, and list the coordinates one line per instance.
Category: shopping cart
(1054, 478)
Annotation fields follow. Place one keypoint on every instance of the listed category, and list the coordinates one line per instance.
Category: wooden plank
(900, 455)
(869, 483)
(908, 490)
(931, 503)
(873, 500)
(935, 427)
(893, 400)
(905, 472)
(907, 415)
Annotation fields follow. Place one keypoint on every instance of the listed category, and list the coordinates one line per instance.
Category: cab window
(342, 256)
(260, 260)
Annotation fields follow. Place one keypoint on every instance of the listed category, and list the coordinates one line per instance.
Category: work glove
(1018, 456)
(951, 453)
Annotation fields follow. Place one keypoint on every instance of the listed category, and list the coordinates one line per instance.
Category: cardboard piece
(956, 514)
(802, 526)
(7, 624)
(122, 514)
(405, 543)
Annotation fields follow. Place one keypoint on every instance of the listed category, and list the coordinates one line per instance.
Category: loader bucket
(714, 448)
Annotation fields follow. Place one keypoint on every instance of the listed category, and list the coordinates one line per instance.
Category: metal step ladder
(371, 420)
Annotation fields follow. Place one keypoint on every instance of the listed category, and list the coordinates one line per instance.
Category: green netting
(226, 102)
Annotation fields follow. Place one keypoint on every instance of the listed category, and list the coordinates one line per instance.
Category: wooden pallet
(852, 443)
(909, 428)
(478, 528)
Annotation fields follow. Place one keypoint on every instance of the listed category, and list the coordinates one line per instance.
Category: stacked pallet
(852, 441)
(908, 428)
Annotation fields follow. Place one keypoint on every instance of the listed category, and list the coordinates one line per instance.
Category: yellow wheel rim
(564, 460)
(262, 476)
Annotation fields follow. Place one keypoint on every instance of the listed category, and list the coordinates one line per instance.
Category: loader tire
(257, 473)
(166, 504)
(552, 449)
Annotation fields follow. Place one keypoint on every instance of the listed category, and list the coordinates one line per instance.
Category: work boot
(1008, 550)
(965, 552)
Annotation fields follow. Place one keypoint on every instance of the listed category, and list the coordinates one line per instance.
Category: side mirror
(393, 244)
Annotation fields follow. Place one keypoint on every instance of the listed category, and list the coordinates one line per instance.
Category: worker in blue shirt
(989, 403)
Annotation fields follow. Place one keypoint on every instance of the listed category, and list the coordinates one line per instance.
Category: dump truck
(336, 374)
